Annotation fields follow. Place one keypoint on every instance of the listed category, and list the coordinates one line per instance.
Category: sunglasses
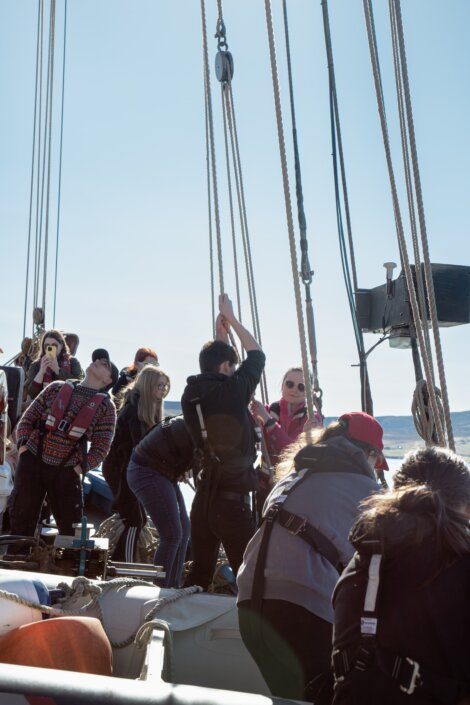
(163, 385)
(290, 385)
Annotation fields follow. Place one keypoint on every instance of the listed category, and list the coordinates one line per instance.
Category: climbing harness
(295, 525)
(74, 429)
(405, 673)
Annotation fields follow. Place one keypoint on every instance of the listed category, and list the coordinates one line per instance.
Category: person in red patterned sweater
(52, 439)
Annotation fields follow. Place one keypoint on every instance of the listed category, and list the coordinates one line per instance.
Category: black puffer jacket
(167, 448)
(129, 432)
(423, 612)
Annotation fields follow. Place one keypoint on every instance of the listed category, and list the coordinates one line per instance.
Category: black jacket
(167, 448)
(125, 378)
(224, 401)
(423, 613)
(129, 431)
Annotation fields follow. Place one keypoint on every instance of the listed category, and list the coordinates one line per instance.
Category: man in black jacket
(215, 408)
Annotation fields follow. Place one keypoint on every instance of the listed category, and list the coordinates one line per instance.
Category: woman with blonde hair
(402, 608)
(292, 563)
(142, 408)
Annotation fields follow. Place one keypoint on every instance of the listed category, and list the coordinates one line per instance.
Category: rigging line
(38, 175)
(215, 192)
(366, 395)
(332, 79)
(408, 178)
(423, 229)
(288, 206)
(51, 89)
(44, 156)
(209, 212)
(230, 198)
(32, 177)
(366, 401)
(244, 227)
(60, 167)
(238, 173)
(305, 271)
(398, 220)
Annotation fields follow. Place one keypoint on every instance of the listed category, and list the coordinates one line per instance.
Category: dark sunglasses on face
(163, 385)
(290, 385)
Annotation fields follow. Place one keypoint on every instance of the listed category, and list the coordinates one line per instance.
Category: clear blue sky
(134, 267)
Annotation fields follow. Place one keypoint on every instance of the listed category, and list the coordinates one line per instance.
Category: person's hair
(312, 437)
(291, 369)
(57, 335)
(149, 409)
(433, 485)
(214, 353)
(140, 356)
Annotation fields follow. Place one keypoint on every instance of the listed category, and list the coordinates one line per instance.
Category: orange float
(66, 643)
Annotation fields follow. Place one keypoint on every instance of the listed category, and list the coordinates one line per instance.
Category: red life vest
(75, 429)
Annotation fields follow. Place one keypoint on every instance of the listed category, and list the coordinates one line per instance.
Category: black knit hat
(102, 354)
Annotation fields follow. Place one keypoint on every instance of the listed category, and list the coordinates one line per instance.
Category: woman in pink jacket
(284, 420)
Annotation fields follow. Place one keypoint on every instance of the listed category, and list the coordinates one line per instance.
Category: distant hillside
(399, 432)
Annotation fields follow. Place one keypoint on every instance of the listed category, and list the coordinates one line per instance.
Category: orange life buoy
(66, 643)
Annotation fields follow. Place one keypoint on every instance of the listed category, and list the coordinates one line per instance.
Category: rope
(32, 175)
(51, 90)
(229, 121)
(422, 418)
(209, 214)
(82, 587)
(60, 167)
(349, 265)
(244, 226)
(209, 115)
(427, 362)
(422, 225)
(43, 168)
(230, 198)
(409, 185)
(288, 206)
(38, 179)
(305, 271)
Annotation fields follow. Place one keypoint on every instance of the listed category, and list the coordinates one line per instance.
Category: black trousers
(225, 521)
(33, 479)
(291, 647)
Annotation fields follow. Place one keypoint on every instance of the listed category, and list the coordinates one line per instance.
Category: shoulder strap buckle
(413, 678)
(63, 425)
(295, 524)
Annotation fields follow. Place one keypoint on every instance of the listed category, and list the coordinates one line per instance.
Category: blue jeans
(164, 503)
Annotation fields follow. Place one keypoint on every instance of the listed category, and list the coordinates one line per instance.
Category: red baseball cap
(362, 427)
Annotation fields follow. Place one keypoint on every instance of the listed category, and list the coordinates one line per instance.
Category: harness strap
(59, 406)
(297, 526)
(407, 674)
(85, 415)
(76, 429)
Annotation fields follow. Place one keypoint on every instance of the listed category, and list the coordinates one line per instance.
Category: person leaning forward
(215, 405)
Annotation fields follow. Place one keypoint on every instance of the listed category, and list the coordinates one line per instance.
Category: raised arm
(246, 338)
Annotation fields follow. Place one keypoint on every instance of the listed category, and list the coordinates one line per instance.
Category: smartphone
(51, 351)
